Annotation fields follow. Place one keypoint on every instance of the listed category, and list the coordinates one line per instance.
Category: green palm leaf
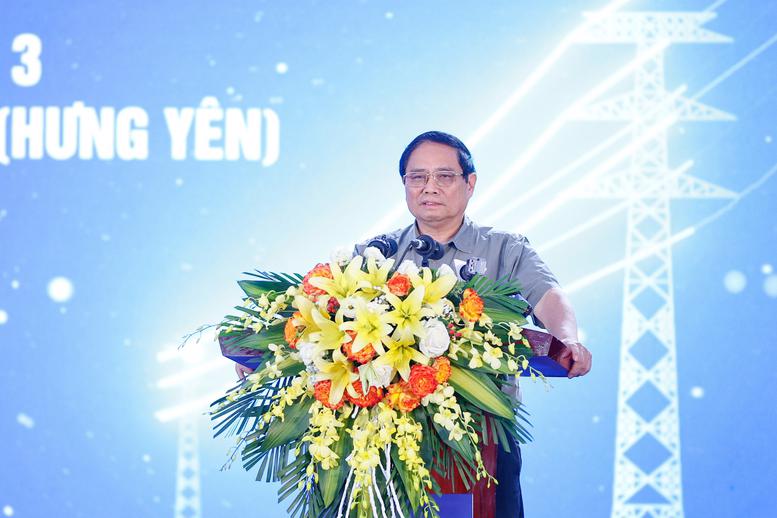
(331, 480)
(248, 339)
(496, 295)
(268, 282)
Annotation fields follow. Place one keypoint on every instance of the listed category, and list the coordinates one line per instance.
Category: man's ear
(472, 179)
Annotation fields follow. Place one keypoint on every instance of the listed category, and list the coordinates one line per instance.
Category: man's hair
(465, 157)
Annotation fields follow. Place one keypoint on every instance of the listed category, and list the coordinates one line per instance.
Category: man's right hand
(242, 371)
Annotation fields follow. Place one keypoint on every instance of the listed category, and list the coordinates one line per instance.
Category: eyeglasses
(442, 178)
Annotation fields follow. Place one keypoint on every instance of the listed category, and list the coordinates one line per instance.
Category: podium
(245, 356)
(546, 359)
(547, 350)
(455, 505)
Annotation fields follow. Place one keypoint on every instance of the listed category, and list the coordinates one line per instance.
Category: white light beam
(597, 275)
(396, 212)
(494, 216)
(605, 166)
(619, 75)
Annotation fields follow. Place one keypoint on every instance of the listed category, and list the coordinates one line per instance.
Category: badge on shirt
(469, 268)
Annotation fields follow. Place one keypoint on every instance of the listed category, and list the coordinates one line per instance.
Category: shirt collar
(464, 240)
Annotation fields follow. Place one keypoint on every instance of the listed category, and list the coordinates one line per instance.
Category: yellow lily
(329, 335)
(340, 373)
(376, 276)
(370, 328)
(435, 289)
(343, 282)
(399, 355)
(307, 309)
(407, 315)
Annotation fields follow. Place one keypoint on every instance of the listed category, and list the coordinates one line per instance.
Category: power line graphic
(647, 478)
(187, 479)
(194, 367)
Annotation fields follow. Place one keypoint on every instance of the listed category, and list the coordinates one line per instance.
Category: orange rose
(442, 369)
(320, 270)
(422, 380)
(364, 355)
(372, 398)
(322, 389)
(399, 284)
(290, 331)
(471, 305)
(400, 397)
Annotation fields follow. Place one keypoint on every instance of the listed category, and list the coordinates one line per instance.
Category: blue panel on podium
(547, 366)
(547, 355)
(455, 505)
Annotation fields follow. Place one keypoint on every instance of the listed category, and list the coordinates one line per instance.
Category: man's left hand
(580, 358)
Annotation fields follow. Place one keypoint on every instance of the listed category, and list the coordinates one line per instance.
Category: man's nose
(430, 186)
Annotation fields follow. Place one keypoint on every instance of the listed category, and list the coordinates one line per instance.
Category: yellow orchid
(469, 333)
(399, 355)
(339, 372)
(343, 282)
(370, 327)
(492, 355)
(407, 314)
(435, 289)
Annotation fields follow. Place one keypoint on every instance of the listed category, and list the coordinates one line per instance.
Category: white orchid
(492, 355)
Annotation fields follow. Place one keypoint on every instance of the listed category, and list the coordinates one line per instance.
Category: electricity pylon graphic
(193, 365)
(187, 480)
(647, 478)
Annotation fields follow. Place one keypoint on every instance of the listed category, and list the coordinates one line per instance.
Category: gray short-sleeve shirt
(505, 255)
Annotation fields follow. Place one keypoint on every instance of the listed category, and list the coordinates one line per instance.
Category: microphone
(385, 244)
(428, 248)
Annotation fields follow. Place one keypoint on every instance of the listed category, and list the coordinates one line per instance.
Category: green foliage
(238, 339)
(295, 422)
(331, 481)
(413, 493)
(234, 417)
(478, 389)
(308, 503)
(267, 282)
(496, 295)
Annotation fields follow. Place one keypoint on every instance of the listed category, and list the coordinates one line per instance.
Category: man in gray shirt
(439, 178)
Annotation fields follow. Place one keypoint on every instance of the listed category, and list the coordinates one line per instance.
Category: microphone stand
(407, 249)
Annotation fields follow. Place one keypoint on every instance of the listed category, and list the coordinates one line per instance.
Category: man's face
(432, 203)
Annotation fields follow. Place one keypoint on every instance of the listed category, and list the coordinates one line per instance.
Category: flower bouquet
(374, 383)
